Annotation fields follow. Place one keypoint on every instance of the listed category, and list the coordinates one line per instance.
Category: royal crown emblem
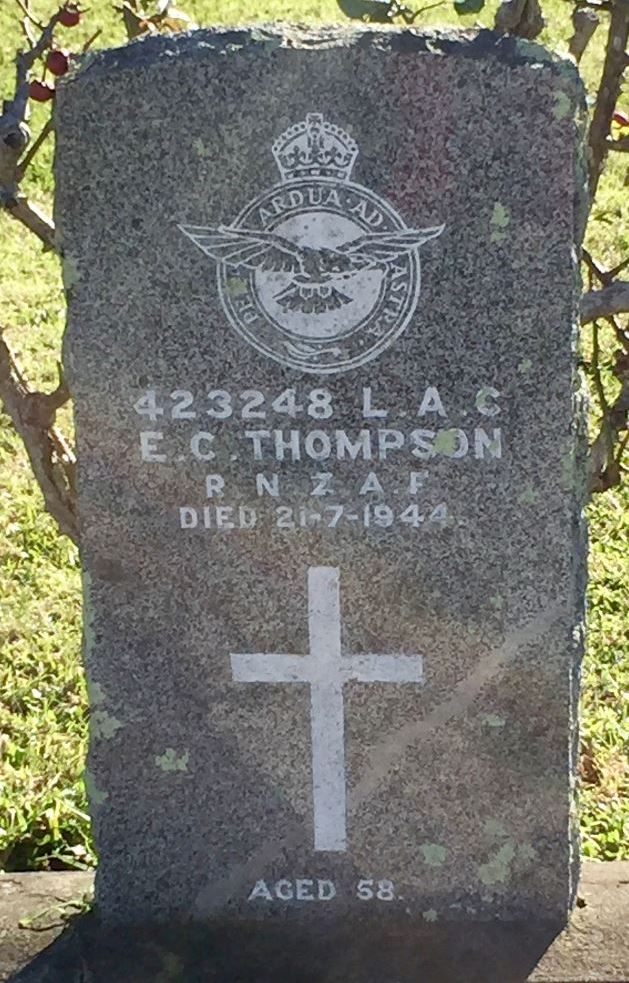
(318, 273)
(315, 148)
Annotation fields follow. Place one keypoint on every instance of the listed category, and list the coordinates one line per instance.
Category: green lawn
(43, 718)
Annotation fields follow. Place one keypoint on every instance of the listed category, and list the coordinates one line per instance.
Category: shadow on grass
(342, 952)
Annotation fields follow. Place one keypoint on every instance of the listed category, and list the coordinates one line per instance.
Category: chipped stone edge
(264, 39)
(579, 453)
(95, 796)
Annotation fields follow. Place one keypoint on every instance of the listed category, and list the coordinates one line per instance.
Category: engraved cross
(326, 670)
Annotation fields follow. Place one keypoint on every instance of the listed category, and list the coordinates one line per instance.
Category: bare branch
(14, 136)
(596, 373)
(521, 17)
(621, 145)
(604, 465)
(15, 109)
(51, 458)
(30, 216)
(585, 21)
(593, 268)
(27, 30)
(612, 299)
(135, 21)
(607, 449)
(605, 277)
(609, 89)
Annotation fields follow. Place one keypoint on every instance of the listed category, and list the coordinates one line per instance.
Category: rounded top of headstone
(263, 38)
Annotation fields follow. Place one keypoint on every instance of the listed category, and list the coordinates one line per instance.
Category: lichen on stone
(70, 270)
(493, 720)
(236, 286)
(95, 795)
(499, 221)
(498, 868)
(528, 496)
(97, 695)
(171, 761)
(446, 442)
(434, 854)
(563, 105)
(200, 149)
(493, 827)
(104, 725)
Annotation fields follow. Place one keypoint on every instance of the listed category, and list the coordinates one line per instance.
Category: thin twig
(613, 273)
(26, 10)
(596, 371)
(588, 259)
(90, 41)
(622, 337)
(32, 150)
(424, 10)
(605, 430)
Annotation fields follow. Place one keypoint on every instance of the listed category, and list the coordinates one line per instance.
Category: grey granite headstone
(331, 532)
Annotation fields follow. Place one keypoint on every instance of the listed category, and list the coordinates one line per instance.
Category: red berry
(621, 117)
(70, 15)
(57, 61)
(40, 91)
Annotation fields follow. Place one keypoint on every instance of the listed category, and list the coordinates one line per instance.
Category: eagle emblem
(318, 273)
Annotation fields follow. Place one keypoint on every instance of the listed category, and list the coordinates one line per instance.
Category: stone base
(37, 945)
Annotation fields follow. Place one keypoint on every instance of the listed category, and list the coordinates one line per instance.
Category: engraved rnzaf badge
(318, 273)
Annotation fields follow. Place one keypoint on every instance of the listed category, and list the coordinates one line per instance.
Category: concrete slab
(594, 949)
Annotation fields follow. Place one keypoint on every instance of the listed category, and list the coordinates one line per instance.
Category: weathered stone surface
(361, 782)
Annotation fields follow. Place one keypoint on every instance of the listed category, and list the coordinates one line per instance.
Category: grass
(43, 715)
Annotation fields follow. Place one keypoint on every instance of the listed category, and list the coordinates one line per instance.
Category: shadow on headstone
(347, 952)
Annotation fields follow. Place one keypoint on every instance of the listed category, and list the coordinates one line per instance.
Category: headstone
(330, 507)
